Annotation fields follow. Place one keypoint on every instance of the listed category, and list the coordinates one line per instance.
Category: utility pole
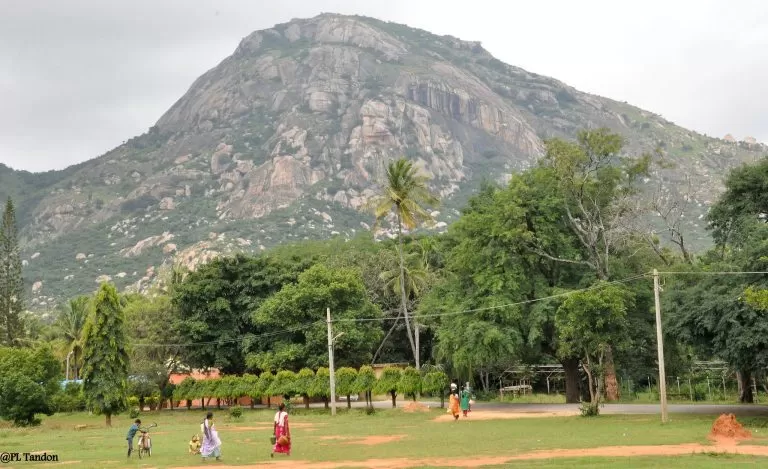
(660, 343)
(67, 372)
(330, 362)
(418, 350)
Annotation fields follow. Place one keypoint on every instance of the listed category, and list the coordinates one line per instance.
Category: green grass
(98, 447)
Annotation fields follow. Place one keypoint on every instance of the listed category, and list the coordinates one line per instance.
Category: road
(744, 410)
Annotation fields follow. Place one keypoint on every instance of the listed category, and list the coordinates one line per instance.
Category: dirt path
(606, 451)
(495, 415)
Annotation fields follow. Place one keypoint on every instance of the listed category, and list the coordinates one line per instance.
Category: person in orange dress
(454, 405)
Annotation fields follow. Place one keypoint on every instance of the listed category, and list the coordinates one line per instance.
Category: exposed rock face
(301, 120)
(147, 243)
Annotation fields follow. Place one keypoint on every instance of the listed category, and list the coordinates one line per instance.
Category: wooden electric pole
(660, 344)
(331, 370)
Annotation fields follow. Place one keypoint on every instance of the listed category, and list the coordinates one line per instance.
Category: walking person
(465, 397)
(211, 442)
(454, 406)
(282, 432)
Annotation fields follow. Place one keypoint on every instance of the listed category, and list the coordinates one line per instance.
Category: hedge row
(313, 384)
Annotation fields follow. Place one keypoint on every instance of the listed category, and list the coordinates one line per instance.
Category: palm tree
(416, 279)
(404, 194)
(69, 327)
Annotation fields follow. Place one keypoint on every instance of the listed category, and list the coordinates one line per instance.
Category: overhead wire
(381, 319)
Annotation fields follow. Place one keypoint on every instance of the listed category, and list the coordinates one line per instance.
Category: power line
(713, 273)
(381, 319)
(443, 314)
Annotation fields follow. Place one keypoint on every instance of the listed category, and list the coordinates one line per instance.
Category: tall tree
(69, 327)
(598, 186)
(11, 282)
(295, 318)
(405, 194)
(153, 330)
(215, 304)
(589, 324)
(105, 357)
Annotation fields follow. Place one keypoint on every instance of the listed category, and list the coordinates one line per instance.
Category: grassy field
(318, 437)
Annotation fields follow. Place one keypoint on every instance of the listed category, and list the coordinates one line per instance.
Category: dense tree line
(309, 384)
(551, 267)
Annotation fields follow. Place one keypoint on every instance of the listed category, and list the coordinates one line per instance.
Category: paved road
(744, 410)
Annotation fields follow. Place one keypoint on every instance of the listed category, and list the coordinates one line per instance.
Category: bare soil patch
(486, 415)
(415, 407)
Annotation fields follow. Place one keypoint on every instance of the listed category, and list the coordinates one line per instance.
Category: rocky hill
(286, 138)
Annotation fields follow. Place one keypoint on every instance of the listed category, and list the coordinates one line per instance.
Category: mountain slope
(286, 139)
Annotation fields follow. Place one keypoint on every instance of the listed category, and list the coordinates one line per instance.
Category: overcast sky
(78, 77)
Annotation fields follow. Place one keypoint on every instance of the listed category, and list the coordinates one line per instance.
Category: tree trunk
(108, 418)
(252, 402)
(745, 394)
(269, 404)
(403, 296)
(611, 383)
(141, 403)
(394, 399)
(442, 401)
(591, 382)
(326, 401)
(572, 380)
(218, 403)
(189, 404)
(349, 401)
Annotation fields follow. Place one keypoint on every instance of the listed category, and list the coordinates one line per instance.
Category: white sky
(78, 77)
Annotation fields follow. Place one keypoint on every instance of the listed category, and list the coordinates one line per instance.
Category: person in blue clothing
(132, 433)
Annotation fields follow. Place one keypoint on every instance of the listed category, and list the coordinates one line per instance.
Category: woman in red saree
(282, 432)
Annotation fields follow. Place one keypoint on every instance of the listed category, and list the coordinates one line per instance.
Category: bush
(133, 401)
(410, 382)
(589, 409)
(134, 412)
(71, 399)
(236, 412)
(21, 398)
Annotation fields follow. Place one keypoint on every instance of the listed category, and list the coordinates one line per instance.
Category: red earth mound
(727, 427)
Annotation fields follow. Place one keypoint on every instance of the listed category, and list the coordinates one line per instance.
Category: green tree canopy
(346, 378)
(299, 311)
(591, 322)
(410, 383)
(215, 304)
(11, 282)
(29, 380)
(105, 358)
(388, 382)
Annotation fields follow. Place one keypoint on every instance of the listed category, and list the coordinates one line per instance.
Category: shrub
(435, 383)
(21, 398)
(387, 384)
(134, 412)
(589, 409)
(345, 383)
(365, 382)
(133, 401)
(236, 412)
(71, 399)
(410, 382)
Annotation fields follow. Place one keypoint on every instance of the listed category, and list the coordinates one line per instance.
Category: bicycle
(145, 442)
